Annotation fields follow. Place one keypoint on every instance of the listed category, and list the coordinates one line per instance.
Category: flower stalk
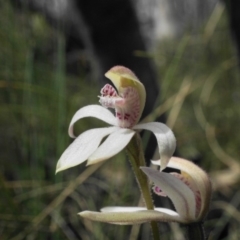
(136, 158)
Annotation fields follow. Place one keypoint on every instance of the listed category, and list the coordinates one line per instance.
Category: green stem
(136, 158)
(196, 231)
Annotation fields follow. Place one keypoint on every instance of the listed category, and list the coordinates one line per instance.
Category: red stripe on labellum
(126, 104)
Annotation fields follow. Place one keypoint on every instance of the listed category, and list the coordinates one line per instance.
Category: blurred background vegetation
(199, 76)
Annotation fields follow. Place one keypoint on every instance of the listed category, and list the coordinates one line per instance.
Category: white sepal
(95, 111)
(132, 215)
(165, 139)
(82, 147)
(114, 143)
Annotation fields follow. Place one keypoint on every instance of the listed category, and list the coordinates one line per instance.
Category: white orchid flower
(128, 100)
(190, 192)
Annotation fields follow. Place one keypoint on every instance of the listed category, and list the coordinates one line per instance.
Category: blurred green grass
(199, 77)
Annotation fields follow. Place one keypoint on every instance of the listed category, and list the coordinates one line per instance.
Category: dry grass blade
(57, 201)
(178, 102)
(222, 180)
(198, 111)
(218, 151)
(213, 21)
(39, 191)
(213, 78)
(23, 184)
(158, 111)
(229, 211)
(228, 208)
(11, 217)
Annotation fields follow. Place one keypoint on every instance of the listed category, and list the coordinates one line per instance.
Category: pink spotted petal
(126, 104)
(181, 195)
(123, 77)
(199, 177)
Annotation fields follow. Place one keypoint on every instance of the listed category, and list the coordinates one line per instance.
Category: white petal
(165, 139)
(115, 142)
(180, 194)
(96, 111)
(82, 147)
(133, 217)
